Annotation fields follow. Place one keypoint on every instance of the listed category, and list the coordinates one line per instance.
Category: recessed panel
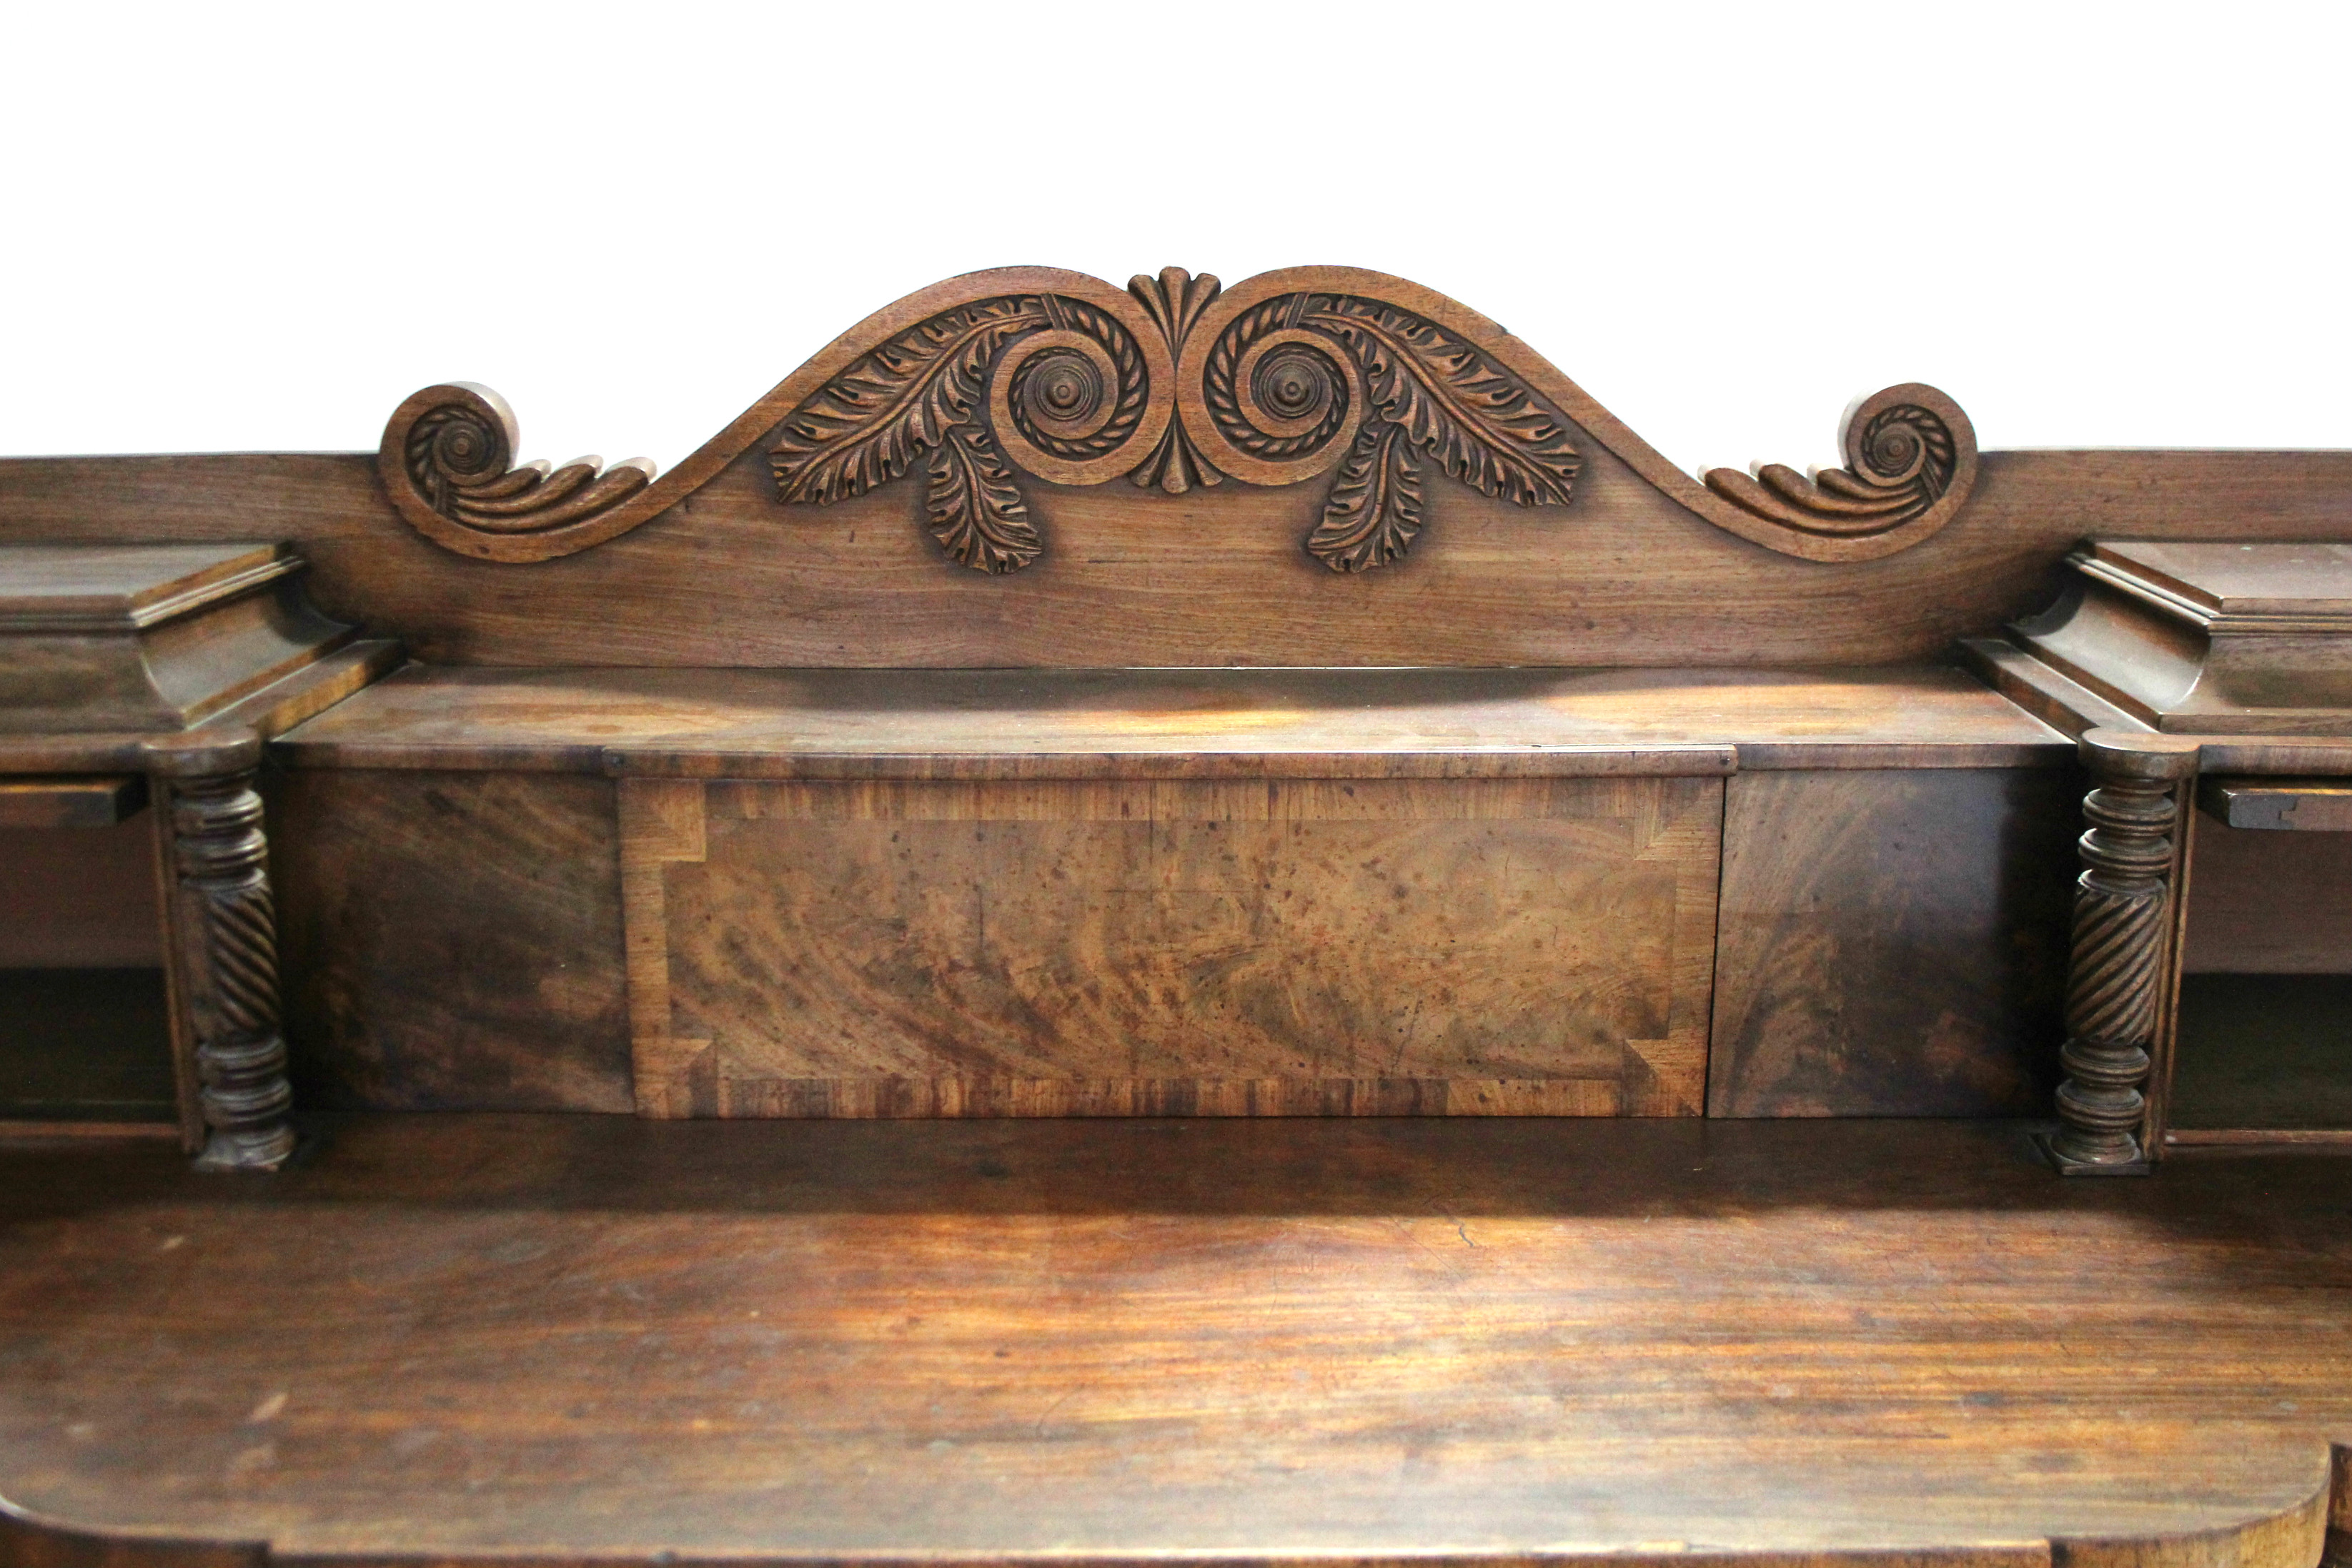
(1318, 947)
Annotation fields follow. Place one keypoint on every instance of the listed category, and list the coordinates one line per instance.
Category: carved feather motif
(1374, 508)
(975, 510)
(1175, 384)
(870, 423)
(1484, 426)
(1284, 382)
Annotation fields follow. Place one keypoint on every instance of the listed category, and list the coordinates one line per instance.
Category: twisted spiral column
(2116, 970)
(229, 943)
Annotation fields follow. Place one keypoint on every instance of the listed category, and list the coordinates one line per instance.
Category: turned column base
(247, 1100)
(264, 1151)
(2067, 1165)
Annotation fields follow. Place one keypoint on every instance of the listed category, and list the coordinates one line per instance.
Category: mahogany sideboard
(1294, 720)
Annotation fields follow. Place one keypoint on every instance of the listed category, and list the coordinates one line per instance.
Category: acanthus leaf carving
(1374, 508)
(1177, 384)
(870, 423)
(1486, 427)
(1290, 382)
(976, 511)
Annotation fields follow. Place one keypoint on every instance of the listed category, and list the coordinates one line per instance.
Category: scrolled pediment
(970, 392)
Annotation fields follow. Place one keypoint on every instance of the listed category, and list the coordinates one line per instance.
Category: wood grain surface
(1893, 943)
(148, 637)
(451, 939)
(1623, 577)
(1177, 384)
(551, 1340)
(2267, 903)
(70, 803)
(1371, 947)
(80, 897)
(1093, 724)
(2289, 805)
(306, 692)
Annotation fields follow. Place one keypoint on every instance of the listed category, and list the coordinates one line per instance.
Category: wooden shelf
(455, 1338)
(1109, 723)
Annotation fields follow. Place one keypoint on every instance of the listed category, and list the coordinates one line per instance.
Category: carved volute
(1382, 392)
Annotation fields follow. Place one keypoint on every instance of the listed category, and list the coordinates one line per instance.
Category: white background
(244, 227)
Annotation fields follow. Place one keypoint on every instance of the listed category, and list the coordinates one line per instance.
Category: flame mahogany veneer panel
(451, 939)
(1893, 942)
(1367, 947)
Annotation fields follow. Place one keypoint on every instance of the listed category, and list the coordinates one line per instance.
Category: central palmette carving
(1171, 392)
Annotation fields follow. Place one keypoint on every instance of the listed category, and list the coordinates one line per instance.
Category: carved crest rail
(1173, 385)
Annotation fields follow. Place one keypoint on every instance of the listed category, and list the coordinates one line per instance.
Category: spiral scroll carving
(1082, 391)
(1274, 391)
(1064, 389)
(220, 857)
(2114, 982)
(1910, 451)
(448, 461)
(978, 385)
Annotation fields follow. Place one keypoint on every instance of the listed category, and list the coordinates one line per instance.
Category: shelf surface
(720, 722)
(99, 587)
(573, 1337)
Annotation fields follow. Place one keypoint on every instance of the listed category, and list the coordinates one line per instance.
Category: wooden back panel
(1399, 482)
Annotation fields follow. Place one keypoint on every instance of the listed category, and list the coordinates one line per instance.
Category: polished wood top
(1462, 722)
(280, 706)
(551, 1337)
(100, 587)
(2217, 582)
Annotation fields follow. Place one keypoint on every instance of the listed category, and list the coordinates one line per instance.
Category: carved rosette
(2115, 971)
(220, 858)
(1370, 383)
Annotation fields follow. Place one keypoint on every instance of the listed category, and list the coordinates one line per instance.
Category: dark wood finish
(418, 997)
(222, 957)
(80, 897)
(32, 1129)
(2207, 639)
(1104, 724)
(2263, 1052)
(749, 796)
(2243, 646)
(144, 637)
(1364, 947)
(2328, 1138)
(2062, 703)
(70, 803)
(86, 1046)
(2118, 964)
(561, 1340)
(109, 654)
(2264, 902)
(452, 939)
(1891, 943)
(2308, 805)
(304, 694)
